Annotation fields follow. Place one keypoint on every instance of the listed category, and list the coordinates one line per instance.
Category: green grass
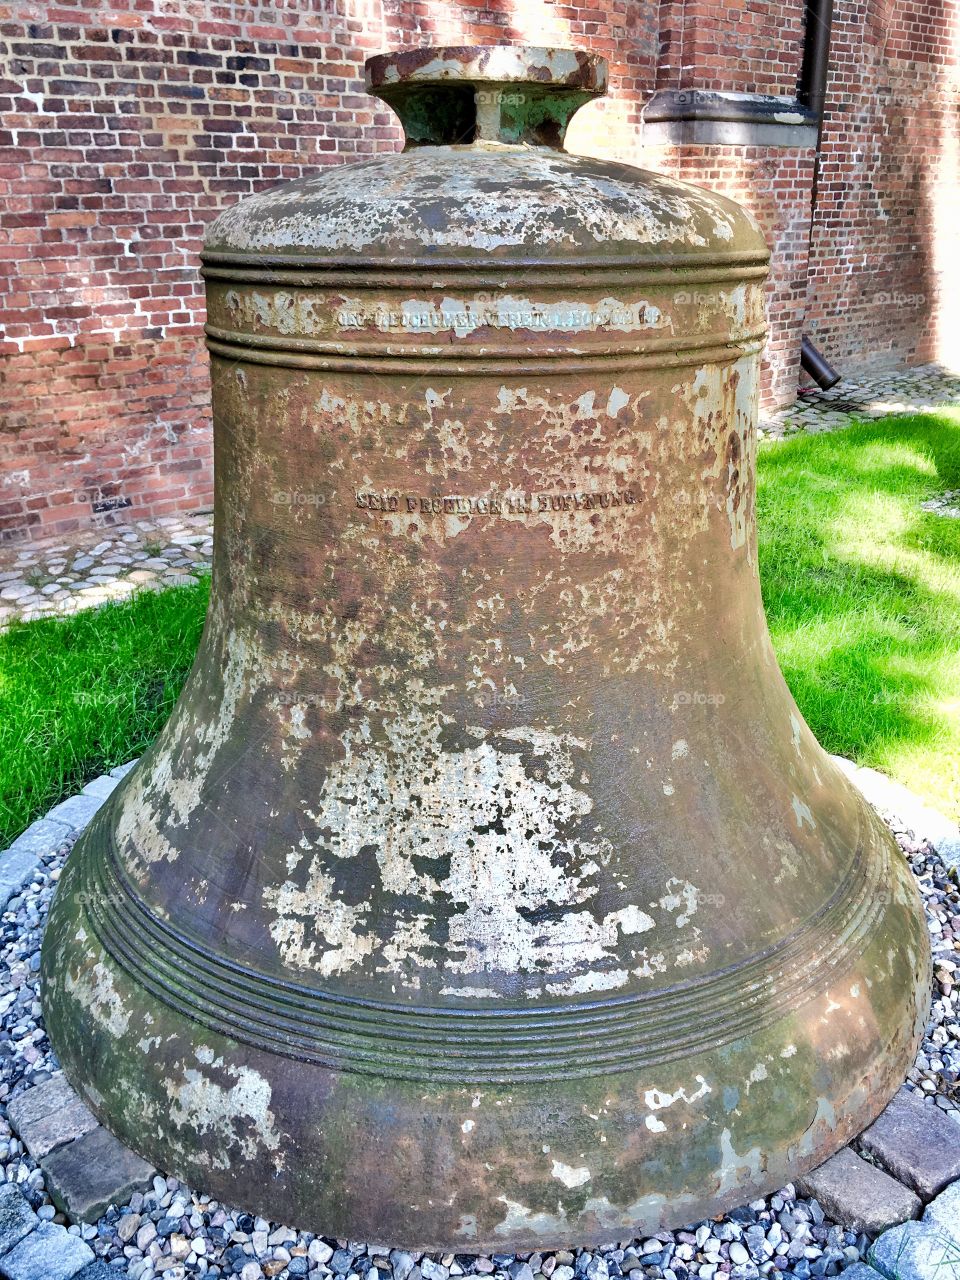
(862, 590)
(81, 695)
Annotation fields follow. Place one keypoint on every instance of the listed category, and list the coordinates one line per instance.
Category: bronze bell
(485, 890)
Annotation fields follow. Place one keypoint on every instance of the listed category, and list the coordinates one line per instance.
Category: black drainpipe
(812, 94)
(816, 57)
(816, 365)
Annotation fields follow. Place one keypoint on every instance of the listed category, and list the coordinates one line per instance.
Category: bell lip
(859, 1097)
(559, 68)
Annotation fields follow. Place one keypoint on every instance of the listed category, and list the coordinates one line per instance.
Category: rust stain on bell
(485, 889)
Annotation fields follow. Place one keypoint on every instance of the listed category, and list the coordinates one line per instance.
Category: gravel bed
(175, 1232)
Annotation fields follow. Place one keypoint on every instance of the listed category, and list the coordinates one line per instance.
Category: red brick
(138, 132)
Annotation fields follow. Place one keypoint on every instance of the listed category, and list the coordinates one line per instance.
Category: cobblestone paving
(45, 579)
(919, 390)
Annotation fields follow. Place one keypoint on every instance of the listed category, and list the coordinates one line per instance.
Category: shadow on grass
(862, 587)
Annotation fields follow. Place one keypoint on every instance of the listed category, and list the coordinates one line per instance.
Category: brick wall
(125, 127)
(885, 255)
(775, 185)
(749, 46)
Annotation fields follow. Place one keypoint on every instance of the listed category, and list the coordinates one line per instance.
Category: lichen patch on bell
(230, 1103)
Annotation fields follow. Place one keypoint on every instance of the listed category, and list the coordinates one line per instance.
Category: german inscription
(494, 504)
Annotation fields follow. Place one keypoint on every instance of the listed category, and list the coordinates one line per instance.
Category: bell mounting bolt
(472, 95)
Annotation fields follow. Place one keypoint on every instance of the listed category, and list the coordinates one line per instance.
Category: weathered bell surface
(485, 889)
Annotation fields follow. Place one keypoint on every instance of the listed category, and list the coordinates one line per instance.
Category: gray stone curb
(915, 1251)
(86, 1176)
(897, 800)
(917, 1144)
(78, 810)
(859, 1195)
(944, 1212)
(48, 1116)
(17, 1219)
(21, 860)
(49, 1252)
(860, 1271)
(86, 1170)
(35, 1250)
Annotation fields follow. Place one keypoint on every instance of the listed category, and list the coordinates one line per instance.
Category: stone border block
(915, 1251)
(944, 1212)
(20, 861)
(858, 1194)
(50, 1115)
(917, 1143)
(49, 1252)
(92, 1173)
(859, 1271)
(77, 811)
(102, 788)
(17, 1218)
(893, 797)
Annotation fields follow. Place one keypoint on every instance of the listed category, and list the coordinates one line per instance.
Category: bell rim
(846, 1105)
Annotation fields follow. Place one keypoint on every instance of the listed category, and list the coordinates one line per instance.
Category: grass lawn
(862, 590)
(80, 695)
